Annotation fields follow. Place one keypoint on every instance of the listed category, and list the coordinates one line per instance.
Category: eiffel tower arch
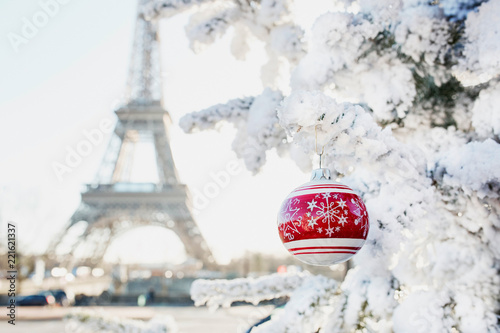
(116, 202)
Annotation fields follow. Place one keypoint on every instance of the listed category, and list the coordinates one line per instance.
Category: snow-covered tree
(404, 97)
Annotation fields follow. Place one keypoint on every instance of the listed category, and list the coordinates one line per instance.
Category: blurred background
(101, 212)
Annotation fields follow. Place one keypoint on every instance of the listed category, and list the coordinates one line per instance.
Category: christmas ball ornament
(323, 222)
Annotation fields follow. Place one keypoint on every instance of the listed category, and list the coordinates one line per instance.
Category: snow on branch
(312, 118)
(255, 119)
(481, 62)
(166, 8)
(216, 293)
(474, 167)
(232, 111)
(206, 26)
(308, 308)
(458, 9)
(423, 33)
(309, 293)
(347, 57)
(485, 112)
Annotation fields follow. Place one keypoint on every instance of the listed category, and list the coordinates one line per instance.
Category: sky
(69, 76)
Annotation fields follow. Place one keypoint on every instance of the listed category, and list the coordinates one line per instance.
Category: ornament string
(316, 145)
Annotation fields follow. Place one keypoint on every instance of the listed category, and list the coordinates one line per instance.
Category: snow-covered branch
(216, 293)
(481, 63)
(349, 133)
(165, 8)
(485, 115)
(474, 167)
(311, 298)
(254, 118)
(350, 57)
(308, 308)
(233, 111)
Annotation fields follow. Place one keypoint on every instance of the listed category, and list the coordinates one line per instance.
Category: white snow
(474, 167)
(486, 111)
(216, 293)
(423, 31)
(482, 30)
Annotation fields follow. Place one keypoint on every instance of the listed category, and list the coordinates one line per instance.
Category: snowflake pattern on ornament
(323, 215)
(290, 223)
(329, 211)
(360, 208)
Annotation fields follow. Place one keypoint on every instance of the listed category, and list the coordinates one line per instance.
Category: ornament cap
(321, 174)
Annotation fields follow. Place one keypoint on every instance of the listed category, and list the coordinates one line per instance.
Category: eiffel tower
(116, 203)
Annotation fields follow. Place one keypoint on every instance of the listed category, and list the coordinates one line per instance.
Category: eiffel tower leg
(125, 157)
(101, 249)
(166, 168)
(193, 240)
(107, 169)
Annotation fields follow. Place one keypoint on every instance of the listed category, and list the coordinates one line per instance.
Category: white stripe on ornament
(324, 242)
(324, 259)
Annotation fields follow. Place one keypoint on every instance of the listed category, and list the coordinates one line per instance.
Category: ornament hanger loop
(316, 145)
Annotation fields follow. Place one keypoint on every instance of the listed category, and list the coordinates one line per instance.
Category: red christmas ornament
(323, 222)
